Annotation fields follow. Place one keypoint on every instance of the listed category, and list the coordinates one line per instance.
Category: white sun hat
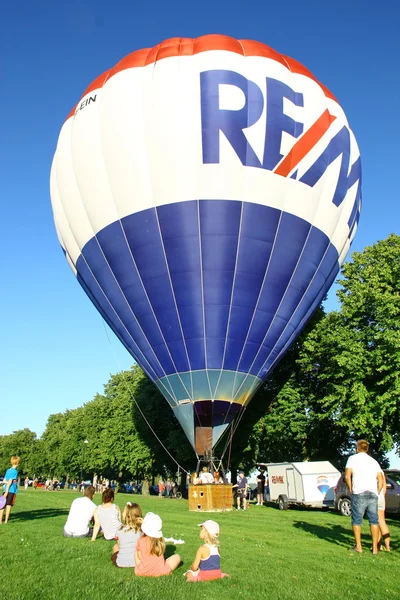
(152, 525)
(211, 526)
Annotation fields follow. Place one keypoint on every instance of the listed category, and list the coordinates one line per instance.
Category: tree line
(339, 381)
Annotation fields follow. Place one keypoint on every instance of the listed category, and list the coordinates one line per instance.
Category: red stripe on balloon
(174, 47)
(95, 85)
(304, 144)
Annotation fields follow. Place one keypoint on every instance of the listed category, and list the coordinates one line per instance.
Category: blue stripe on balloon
(209, 284)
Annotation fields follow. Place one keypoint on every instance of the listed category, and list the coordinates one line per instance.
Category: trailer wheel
(283, 502)
(345, 507)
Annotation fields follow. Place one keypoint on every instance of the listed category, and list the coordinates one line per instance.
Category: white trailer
(305, 483)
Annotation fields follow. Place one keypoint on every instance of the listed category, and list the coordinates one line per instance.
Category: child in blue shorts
(10, 488)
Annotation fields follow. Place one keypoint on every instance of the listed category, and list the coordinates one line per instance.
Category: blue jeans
(366, 502)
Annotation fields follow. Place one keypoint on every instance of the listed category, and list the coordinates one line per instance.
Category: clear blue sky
(55, 353)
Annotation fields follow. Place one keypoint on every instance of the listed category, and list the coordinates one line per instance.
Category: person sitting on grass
(80, 515)
(124, 550)
(207, 563)
(107, 516)
(150, 548)
(10, 482)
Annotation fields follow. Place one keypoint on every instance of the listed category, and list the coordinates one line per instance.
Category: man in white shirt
(80, 513)
(364, 479)
(205, 476)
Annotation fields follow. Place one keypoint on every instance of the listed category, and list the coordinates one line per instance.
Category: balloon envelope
(205, 193)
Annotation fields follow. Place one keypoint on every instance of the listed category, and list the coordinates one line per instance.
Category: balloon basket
(210, 498)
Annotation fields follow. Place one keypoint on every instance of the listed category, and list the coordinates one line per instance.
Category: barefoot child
(206, 565)
(10, 488)
(124, 550)
(150, 548)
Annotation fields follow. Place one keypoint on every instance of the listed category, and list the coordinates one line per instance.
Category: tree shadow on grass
(44, 513)
(334, 534)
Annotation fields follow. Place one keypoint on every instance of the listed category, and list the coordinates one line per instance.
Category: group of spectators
(138, 541)
(205, 477)
(100, 484)
(168, 488)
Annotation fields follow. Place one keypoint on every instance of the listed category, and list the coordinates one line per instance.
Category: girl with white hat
(150, 548)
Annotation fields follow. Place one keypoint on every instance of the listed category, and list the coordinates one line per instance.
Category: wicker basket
(210, 497)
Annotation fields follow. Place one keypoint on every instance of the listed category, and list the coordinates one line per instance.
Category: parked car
(131, 488)
(343, 500)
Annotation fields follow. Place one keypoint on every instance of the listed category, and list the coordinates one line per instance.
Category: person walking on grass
(150, 548)
(11, 488)
(364, 479)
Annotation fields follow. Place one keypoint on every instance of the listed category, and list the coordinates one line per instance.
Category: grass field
(294, 554)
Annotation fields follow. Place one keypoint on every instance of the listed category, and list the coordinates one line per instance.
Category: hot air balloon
(205, 193)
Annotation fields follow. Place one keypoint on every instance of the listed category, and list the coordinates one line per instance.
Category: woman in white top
(107, 516)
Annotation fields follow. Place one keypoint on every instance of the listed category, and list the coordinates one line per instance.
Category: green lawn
(294, 554)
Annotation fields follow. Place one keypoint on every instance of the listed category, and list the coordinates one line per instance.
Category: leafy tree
(61, 449)
(112, 437)
(351, 360)
(21, 443)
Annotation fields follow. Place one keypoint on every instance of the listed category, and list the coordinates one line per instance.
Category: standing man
(260, 488)
(241, 492)
(364, 479)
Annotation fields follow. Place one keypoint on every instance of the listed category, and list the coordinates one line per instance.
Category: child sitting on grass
(124, 550)
(150, 548)
(207, 563)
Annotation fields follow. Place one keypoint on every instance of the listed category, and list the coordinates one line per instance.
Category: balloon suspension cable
(232, 430)
(230, 439)
(140, 410)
